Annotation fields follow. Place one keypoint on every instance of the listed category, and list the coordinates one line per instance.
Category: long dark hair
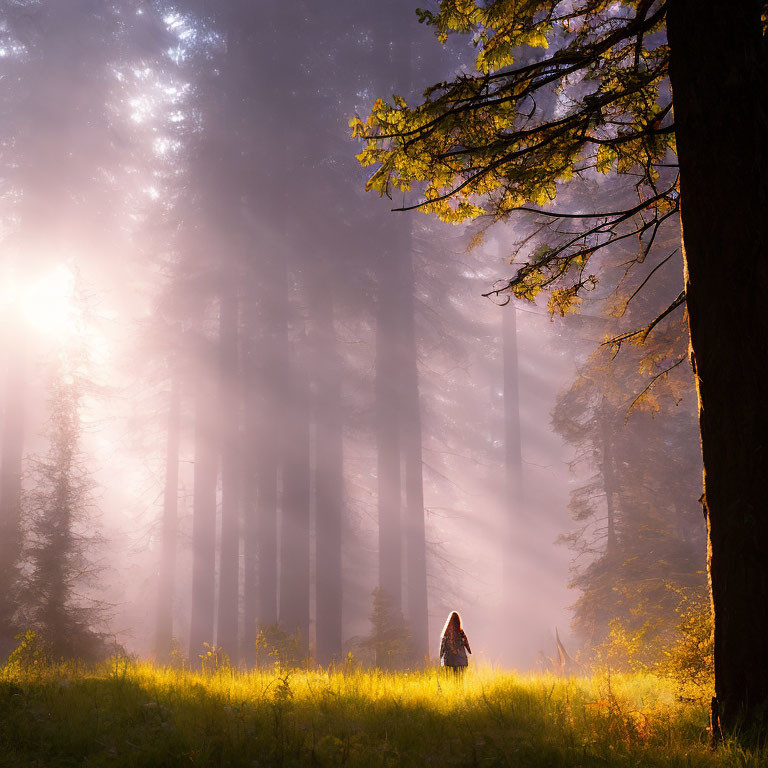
(452, 624)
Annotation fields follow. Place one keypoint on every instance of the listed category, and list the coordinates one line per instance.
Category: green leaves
(500, 28)
(508, 136)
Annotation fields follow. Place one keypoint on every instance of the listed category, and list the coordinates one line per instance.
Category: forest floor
(135, 714)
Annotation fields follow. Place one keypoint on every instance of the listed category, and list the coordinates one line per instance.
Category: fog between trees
(288, 395)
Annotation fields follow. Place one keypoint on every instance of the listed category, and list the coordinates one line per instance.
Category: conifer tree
(631, 87)
(11, 447)
(60, 517)
(639, 543)
(390, 638)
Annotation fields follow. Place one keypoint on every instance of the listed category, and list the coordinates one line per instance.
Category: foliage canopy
(505, 137)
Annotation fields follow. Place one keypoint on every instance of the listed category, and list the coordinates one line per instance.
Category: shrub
(276, 646)
(390, 640)
(30, 654)
(691, 660)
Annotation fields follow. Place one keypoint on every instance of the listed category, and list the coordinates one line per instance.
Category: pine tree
(12, 446)
(633, 88)
(639, 546)
(390, 638)
(60, 517)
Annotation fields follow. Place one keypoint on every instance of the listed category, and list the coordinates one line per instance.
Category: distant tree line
(193, 173)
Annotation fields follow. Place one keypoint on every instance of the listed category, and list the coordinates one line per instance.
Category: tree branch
(617, 341)
(652, 382)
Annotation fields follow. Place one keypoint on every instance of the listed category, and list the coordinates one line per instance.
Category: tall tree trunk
(266, 536)
(167, 577)
(294, 518)
(415, 538)
(329, 479)
(721, 128)
(253, 474)
(513, 460)
(229, 414)
(394, 48)
(608, 472)
(10, 493)
(204, 512)
(273, 379)
(388, 439)
(264, 369)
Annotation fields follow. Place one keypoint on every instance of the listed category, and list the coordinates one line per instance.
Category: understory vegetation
(683, 653)
(124, 713)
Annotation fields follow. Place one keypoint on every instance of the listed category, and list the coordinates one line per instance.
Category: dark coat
(453, 650)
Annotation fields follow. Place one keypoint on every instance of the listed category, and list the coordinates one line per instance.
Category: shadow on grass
(160, 718)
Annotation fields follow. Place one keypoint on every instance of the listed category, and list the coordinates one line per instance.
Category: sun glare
(46, 305)
(49, 306)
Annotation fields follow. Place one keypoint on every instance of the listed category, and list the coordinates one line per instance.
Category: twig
(651, 383)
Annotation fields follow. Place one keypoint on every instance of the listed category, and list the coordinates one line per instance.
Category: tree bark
(329, 480)
(718, 76)
(167, 577)
(229, 413)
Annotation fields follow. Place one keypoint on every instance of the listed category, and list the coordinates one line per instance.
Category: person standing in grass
(454, 645)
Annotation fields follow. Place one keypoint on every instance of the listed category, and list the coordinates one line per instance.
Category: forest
(383, 385)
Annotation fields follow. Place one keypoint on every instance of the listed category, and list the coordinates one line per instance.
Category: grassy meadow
(136, 714)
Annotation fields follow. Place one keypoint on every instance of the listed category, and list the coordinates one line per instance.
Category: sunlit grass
(127, 714)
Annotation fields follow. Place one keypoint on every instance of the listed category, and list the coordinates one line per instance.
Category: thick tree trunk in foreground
(718, 74)
(229, 413)
(329, 480)
(204, 514)
(10, 494)
(167, 579)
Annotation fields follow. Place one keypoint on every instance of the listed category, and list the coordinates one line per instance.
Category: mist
(280, 394)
